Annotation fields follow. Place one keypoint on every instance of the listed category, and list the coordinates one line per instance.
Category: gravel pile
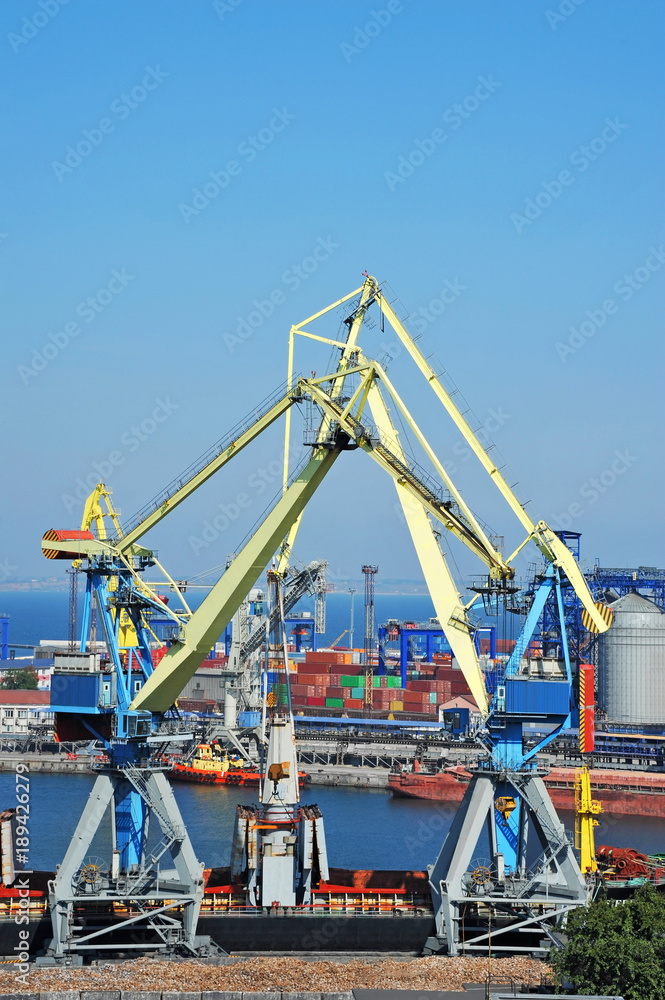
(281, 974)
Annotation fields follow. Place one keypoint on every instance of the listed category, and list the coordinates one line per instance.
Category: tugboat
(213, 765)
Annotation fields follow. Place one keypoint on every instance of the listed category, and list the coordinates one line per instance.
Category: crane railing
(428, 490)
(302, 583)
(206, 459)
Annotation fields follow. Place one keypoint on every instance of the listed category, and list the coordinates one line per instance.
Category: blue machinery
(530, 879)
(408, 634)
(159, 876)
(527, 878)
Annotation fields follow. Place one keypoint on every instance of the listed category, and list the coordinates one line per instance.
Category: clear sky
(167, 166)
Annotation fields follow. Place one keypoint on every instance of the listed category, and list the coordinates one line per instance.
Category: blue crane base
(480, 902)
(158, 888)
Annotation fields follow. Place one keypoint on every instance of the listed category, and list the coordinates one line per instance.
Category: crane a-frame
(125, 711)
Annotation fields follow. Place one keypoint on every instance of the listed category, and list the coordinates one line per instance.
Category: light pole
(352, 591)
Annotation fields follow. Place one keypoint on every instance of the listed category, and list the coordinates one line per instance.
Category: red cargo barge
(623, 793)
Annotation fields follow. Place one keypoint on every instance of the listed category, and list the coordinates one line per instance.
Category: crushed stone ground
(280, 974)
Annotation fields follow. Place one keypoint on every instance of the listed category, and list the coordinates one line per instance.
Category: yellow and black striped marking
(51, 536)
(606, 614)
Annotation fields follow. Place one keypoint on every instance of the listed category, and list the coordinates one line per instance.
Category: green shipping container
(279, 690)
(348, 681)
(376, 682)
(334, 703)
(357, 692)
(394, 682)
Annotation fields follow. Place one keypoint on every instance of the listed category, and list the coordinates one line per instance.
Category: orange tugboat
(212, 765)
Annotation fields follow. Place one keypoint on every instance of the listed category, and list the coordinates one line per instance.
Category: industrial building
(19, 709)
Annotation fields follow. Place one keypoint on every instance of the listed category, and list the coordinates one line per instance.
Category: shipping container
(334, 703)
(357, 692)
(316, 667)
(396, 706)
(355, 703)
(249, 718)
(420, 685)
(324, 656)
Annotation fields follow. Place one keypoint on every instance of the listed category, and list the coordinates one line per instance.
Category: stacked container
(329, 680)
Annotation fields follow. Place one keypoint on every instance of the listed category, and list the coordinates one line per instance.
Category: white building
(19, 708)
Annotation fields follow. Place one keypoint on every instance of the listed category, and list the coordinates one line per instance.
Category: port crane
(129, 708)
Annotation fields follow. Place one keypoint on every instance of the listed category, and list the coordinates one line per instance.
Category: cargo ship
(623, 793)
(342, 916)
(211, 765)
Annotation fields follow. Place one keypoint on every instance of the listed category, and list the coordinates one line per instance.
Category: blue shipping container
(529, 696)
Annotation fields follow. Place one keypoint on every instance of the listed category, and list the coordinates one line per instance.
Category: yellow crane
(343, 426)
(586, 810)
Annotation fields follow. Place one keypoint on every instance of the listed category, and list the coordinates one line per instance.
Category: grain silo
(631, 663)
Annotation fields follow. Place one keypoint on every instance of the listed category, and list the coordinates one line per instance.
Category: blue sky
(498, 164)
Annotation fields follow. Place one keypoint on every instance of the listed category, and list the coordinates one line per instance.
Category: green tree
(19, 679)
(616, 947)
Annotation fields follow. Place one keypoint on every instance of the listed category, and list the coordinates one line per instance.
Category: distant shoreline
(415, 590)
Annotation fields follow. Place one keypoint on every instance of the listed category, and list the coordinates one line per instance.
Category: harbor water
(365, 828)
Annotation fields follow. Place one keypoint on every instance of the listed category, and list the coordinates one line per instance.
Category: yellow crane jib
(204, 627)
(424, 501)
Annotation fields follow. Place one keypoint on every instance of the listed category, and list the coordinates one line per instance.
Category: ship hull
(355, 911)
(621, 793)
(181, 772)
(234, 778)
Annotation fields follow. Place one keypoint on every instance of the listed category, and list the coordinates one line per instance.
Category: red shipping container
(313, 668)
(444, 695)
(317, 702)
(324, 656)
(353, 703)
(420, 685)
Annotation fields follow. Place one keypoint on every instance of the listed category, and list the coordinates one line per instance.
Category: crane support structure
(445, 597)
(127, 697)
(205, 626)
(420, 496)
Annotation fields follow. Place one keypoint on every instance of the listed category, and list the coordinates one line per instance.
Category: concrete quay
(171, 995)
(46, 762)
